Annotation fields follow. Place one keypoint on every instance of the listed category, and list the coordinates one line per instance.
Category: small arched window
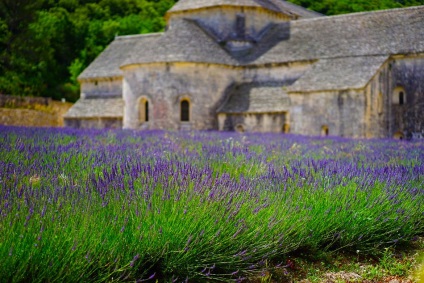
(239, 128)
(325, 131)
(143, 110)
(185, 110)
(399, 96)
(398, 135)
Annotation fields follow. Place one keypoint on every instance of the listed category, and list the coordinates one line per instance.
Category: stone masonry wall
(222, 18)
(106, 87)
(32, 111)
(408, 74)
(206, 86)
(165, 85)
(341, 111)
(254, 122)
(94, 123)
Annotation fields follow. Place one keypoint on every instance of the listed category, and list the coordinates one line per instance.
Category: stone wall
(222, 18)
(260, 122)
(101, 88)
(407, 75)
(94, 123)
(8, 101)
(164, 86)
(341, 112)
(205, 86)
(32, 111)
(377, 104)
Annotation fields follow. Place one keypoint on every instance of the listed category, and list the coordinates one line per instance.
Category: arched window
(146, 111)
(325, 131)
(399, 96)
(239, 128)
(143, 110)
(185, 110)
(286, 128)
(398, 136)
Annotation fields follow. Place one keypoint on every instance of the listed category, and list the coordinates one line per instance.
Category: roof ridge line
(120, 37)
(357, 14)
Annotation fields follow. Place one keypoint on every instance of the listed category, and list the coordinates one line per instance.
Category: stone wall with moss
(32, 111)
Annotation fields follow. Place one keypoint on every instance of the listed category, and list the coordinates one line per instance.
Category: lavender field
(124, 206)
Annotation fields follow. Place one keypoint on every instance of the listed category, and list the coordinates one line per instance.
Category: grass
(401, 264)
(106, 206)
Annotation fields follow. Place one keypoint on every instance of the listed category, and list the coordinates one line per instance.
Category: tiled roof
(339, 74)
(389, 32)
(295, 9)
(254, 98)
(396, 31)
(381, 33)
(184, 41)
(107, 64)
(90, 108)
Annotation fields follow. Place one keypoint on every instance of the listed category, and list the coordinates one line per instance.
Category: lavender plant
(99, 205)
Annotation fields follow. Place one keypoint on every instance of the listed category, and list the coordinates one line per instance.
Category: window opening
(143, 110)
(324, 131)
(146, 111)
(239, 128)
(401, 98)
(185, 111)
(398, 135)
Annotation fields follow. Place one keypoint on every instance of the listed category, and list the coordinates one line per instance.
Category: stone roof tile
(295, 9)
(254, 98)
(184, 41)
(91, 108)
(389, 32)
(339, 74)
(107, 64)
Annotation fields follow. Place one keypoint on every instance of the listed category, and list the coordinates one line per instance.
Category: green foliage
(45, 44)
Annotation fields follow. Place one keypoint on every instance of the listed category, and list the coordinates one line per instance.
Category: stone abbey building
(262, 66)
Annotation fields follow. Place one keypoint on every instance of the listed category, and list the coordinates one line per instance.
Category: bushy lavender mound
(97, 205)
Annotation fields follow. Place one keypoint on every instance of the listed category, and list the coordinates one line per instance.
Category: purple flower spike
(136, 257)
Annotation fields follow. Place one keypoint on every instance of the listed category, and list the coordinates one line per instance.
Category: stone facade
(262, 66)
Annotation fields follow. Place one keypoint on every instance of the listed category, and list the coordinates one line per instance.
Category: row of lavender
(176, 206)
